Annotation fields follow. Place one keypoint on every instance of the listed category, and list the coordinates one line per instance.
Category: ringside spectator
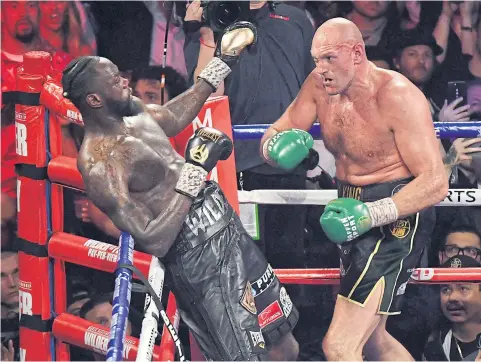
(461, 240)
(456, 337)
(61, 27)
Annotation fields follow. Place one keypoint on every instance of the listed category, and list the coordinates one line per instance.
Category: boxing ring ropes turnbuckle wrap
(45, 328)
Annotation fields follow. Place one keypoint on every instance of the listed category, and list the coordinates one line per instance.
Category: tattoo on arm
(179, 112)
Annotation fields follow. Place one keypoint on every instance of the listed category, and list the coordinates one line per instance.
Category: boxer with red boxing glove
(389, 173)
(131, 172)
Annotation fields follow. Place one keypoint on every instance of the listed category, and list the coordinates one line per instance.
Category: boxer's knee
(287, 349)
(336, 348)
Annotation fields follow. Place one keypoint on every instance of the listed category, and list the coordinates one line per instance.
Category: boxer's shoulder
(393, 89)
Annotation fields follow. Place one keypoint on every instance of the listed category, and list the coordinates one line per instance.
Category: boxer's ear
(93, 100)
(359, 53)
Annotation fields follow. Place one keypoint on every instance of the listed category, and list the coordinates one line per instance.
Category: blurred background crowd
(435, 44)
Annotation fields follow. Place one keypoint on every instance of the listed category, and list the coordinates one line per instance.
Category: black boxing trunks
(226, 292)
(386, 254)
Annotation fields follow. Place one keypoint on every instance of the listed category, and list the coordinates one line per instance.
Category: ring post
(121, 301)
(36, 306)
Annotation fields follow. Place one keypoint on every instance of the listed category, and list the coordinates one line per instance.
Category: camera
(218, 15)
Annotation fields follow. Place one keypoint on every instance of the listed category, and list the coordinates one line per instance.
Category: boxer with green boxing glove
(287, 149)
(345, 219)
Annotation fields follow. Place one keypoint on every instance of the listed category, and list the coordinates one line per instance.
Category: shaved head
(337, 31)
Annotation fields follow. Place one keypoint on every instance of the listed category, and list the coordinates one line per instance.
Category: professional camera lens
(226, 13)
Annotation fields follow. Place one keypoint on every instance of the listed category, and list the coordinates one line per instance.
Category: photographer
(264, 83)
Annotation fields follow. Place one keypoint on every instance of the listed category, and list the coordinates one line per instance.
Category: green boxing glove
(288, 148)
(345, 219)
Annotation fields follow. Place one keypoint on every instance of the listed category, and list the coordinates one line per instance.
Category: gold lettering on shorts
(209, 135)
(400, 228)
(352, 192)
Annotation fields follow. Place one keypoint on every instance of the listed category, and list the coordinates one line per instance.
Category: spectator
(20, 29)
(461, 240)
(61, 26)
(161, 10)
(260, 87)
(9, 269)
(415, 56)
(377, 22)
(79, 294)
(454, 32)
(19, 35)
(10, 304)
(456, 337)
(148, 84)
(99, 310)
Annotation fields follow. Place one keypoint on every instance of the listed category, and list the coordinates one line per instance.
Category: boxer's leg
(381, 346)
(351, 327)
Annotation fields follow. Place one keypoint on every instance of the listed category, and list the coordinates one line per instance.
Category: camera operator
(264, 83)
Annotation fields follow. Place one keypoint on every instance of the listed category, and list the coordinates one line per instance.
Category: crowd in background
(431, 43)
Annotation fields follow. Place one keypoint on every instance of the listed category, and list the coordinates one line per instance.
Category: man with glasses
(461, 239)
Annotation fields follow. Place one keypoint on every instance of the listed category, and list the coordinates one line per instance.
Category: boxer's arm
(300, 114)
(407, 111)
(106, 186)
(180, 111)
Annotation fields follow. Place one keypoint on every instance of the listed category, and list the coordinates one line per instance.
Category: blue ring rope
(121, 301)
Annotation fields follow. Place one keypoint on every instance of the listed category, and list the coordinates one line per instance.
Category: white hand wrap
(191, 180)
(382, 212)
(215, 72)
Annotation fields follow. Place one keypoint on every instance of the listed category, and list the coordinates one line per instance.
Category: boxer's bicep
(414, 133)
(408, 114)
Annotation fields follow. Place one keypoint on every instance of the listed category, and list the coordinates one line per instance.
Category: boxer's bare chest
(356, 132)
(142, 156)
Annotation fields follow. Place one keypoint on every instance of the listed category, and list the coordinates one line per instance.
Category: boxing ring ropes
(46, 329)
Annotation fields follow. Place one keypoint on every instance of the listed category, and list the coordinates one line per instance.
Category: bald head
(337, 31)
(339, 54)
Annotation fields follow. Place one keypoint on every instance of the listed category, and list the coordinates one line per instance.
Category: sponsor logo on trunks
(396, 189)
(257, 339)
(247, 299)
(402, 289)
(269, 315)
(352, 192)
(350, 227)
(211, 211)
(400, 228)
(199, 153)
(286, 302)
(456, 263)
(422, 274)
(263, 282)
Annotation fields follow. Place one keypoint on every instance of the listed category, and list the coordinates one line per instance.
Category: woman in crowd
(63, 24)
